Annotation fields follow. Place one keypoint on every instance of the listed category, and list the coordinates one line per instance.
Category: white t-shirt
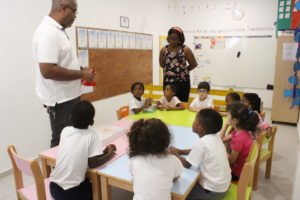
(209, 154)
(153, 176)
(51, 45)
(173, 103)
(134, 103)
(75, 147)
(196, 103)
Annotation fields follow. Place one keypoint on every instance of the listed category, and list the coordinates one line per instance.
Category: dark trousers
(80, 192)
(199, 193)
(60, 118)
(182, 90)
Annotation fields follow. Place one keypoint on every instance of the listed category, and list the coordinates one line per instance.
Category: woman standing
(177, 60)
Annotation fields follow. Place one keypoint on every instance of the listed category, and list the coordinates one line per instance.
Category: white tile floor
(279, 187)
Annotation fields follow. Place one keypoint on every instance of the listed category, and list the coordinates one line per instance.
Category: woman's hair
(254, 101)
(82, 115)
(148, 137)
(234, 96)
(135, 84)
(179, 32)
(210, 120)
(246, 119)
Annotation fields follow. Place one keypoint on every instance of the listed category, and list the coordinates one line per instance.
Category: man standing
(58, 73)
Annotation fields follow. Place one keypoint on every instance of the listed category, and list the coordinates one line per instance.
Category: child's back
(76, 146)
(152, 167)
(79, 148)
(153, 176)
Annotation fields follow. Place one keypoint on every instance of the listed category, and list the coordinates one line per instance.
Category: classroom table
(178, 117)
(48, 157)
(116, 173)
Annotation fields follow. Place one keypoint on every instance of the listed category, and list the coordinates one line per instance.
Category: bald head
(64, 12)
(56, 4)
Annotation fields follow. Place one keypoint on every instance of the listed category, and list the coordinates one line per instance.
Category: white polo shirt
(153, 176)
(209, 154)
(173, 103)
(76, 146)
(134, 103)
(207, 103)
(52, 45)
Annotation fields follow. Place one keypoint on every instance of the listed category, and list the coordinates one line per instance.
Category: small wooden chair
(37, 191)
(122, 112)
(265, 155)
(242, 190)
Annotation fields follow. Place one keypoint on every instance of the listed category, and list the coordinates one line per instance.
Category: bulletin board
(119, 59)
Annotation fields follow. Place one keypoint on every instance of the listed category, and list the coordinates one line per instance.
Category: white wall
(194, 15)
(24, 121)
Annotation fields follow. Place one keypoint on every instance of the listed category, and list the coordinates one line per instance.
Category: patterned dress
(175, 67)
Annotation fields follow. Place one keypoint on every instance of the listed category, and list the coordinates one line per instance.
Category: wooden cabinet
(281, 111)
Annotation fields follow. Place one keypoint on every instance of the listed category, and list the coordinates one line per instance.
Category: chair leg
(255, 177)
(268, 168)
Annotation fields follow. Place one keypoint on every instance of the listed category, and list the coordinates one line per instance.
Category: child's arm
(108, 153)
(232, 157)
(178, 152)
(179, 106)
(223, 130)
(227, 138)
(146, 104)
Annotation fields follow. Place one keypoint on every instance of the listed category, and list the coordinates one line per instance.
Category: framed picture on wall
(124, 22)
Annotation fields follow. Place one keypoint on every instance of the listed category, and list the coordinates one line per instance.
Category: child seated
(202, 101)
(79, 148)
(253, 102)
(169, 101)
(209, 154)
(152, 167)
(231, 98)
(244, 123)
(137, 103)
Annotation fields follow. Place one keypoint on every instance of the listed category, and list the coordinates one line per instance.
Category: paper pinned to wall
(93, 38)
(144, 41)
(126, 41)
(119, 40)
(110, 39)
(132, 41)
(102, 39)
(86, 89)
(82, 38)
(83, 56)
(289, 51)
(150, 42)
(138, 41)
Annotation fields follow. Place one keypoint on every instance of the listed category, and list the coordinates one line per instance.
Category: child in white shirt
(152, 167)
(169, 101)
(137, 103)
(208, 154)
(203, 100)
(79, 148)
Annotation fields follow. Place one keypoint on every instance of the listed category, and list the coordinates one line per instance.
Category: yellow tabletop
(177, 118)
